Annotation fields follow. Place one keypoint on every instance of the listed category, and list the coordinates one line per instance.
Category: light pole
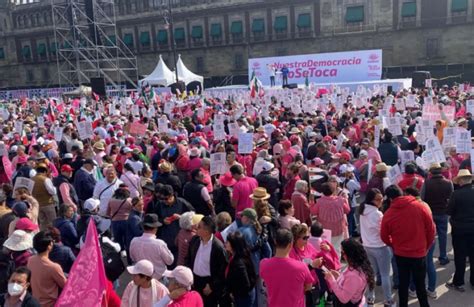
(169, 22)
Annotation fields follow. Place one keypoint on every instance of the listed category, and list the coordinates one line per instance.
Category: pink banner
(86, 284)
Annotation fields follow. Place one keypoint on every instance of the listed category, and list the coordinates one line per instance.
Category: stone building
(216, 37)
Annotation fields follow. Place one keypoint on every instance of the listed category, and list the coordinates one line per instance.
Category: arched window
(19, 22)
(46, 18)
(25, 21)
(32, 21)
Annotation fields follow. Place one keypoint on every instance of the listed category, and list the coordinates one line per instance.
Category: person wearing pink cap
(143, 290)
(180, 282)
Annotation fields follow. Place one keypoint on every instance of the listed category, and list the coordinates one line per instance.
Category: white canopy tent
(162, 75)
(186, 75)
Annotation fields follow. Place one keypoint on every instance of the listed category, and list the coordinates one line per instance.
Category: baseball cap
(127, 150)
(66, 168)
(267, 166)
(144, 267)
(68, 156)
(91, 204)
(182, 275)
(20, 208)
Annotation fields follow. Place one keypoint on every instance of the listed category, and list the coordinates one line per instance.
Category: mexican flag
(256, 87)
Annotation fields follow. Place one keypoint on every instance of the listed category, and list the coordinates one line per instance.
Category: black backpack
(7, 266)
(113, 263)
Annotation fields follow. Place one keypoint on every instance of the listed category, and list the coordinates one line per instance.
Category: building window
(216, 32)
(30, 75)
(162, 37)
(432, 48)
(258, 28)
(200, 64)
(128, 40)
(355, 14)
(197, 35)
(145, 40)
(281, 26)
(53, 49)
(41, 51)
(111, 41)
(179, 37)
(236, 29)
(304, 23)
(238, 61)
(2, 54)
(409, 9)
(45, 74)
(458, 6)
(26, 53)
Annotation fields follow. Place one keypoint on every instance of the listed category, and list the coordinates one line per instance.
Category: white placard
(472, 157)
(19, 126)
(411, 101)
(433, 146)
(58, 134)
(23, 182)
(234, 129)
(5, 114)
(394, 126)
(377, 129)
(400, 104)
(369, 170)
(218, 163)
(470, 106)
(269, 128)
(219, 132)
(135, 110)
(85, 130)
(449, 137)
(394, 174)
(163, 125)
(428, 83)
(463, 141)
(407, 156)
(40, 121)
(245, 143)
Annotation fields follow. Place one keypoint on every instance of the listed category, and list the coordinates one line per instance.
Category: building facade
(216, 37)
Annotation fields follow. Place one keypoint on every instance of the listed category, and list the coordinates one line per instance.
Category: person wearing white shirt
(378, 252)
(105, 188)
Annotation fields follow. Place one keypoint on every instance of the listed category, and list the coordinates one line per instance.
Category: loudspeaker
(98, 86)
(418, 78)
(291, 85)
(389, 89)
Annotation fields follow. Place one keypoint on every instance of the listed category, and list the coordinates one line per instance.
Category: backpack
(7, 266)
(113, 263)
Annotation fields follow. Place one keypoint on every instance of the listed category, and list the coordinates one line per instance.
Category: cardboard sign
(218, 163)
(23, 182)
(138, 128)
(245, 143)
(85, 130)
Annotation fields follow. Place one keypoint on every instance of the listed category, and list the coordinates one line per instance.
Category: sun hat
(151, 220)
(99, 146)
(19, 240)
(26, 224)
(196, 218)
(40, 156)
(463, 173)
(261, 142)
(294, 130)
(182, 275)
(144, 267)
(381, 167)
(250, 213)
(91, 204)
(259, 193)
(435, 166)
(227, 180)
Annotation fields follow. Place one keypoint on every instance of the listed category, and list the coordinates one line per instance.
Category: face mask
(14, 289)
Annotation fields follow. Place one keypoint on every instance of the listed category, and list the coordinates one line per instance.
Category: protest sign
(138, 129)
(219, 132)
(85, 130)
(428, 83)
(411, 101)
(234, 129)
(394, 126)
(394, 174)
(19, 126)
(369, 169)
(377, 129)
(407, 156)
(218, 163)
(163, 125)
(431, 112)
(433, 146)
(3, 149)
(40, 121)
(23, 182)
(463, 141)
(400, 104)
(245, 143)
(135, 110)
(449, 137)
(470, 106)
(58, 134)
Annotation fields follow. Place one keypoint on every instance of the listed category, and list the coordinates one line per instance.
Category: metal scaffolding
(88, 45)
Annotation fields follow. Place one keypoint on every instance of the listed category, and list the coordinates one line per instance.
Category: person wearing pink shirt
(372, 153)
(349, 285)
(180, 281)
(242, 189)
(286, 279)
(194, 159)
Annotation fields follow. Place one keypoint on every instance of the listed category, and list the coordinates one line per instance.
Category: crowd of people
(322, 210)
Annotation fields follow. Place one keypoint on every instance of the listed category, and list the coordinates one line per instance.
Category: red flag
(86, 284)
(96, 97)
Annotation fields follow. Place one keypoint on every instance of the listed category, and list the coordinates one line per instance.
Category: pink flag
(86, 284)
(7, 166)
(76, 103)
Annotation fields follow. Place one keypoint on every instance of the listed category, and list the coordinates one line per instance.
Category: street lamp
(169, 24)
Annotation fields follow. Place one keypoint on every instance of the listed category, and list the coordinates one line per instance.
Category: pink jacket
(330, 212)
(349, 286)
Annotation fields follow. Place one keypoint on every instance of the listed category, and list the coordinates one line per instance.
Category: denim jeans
(351, 221)
(430, 271)
(119, 231)
(245, 301)
(380, 259)
(441, 222)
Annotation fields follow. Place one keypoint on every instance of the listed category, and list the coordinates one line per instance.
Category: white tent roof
(186, 75)
(162, 75)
